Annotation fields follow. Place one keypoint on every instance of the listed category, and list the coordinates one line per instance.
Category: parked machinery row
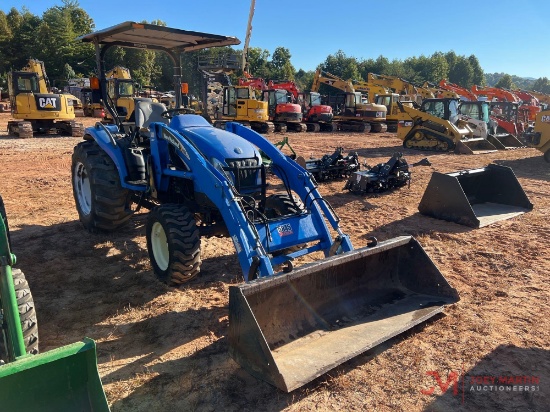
(287, 325)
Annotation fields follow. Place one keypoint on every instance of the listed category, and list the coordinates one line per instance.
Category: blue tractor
(200, 181)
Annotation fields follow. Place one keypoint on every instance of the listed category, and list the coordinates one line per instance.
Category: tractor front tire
(102, 203)
(27, 314)
(173, 243)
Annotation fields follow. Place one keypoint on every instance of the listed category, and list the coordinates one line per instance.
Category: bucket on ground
(292, 328)
(475, 145)
(60, 380)
(505, 141)
(475, 197)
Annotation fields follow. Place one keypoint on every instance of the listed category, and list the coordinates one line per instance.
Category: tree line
(52, 38)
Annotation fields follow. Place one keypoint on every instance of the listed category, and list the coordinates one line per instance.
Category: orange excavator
(463, 92)
(530, 102)
(519, 115)
(316, 116)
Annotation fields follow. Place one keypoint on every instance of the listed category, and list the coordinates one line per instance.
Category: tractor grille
(245, 173)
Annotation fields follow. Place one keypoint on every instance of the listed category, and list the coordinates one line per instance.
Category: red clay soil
(165, 349)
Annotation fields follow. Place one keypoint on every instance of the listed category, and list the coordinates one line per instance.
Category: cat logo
(47, 103)
(545, 119)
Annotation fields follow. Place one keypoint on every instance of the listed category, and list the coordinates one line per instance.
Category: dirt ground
(165, 349)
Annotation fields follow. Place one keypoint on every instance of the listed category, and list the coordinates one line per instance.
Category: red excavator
(316, 116)
(284, 114)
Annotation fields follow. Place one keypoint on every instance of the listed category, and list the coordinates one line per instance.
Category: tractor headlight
(219, 165)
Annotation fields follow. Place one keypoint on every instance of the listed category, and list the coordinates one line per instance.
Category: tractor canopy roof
(151, 36)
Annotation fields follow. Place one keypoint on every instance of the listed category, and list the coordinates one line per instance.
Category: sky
(506, 36)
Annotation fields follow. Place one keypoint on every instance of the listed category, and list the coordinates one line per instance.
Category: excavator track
(263, 127)
(23, 130)
(77, 129)
(313, 127)
(426, 140)
(297, 127)
(361, 127)
(378, 127)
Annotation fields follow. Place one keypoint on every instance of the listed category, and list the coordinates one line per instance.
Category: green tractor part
(63, 379)
(475, 197)
(279, 145)
(293, 328)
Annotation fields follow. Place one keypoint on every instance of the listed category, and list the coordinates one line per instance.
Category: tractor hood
(213, 142)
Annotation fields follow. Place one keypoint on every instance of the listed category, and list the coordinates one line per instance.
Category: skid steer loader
(63, 379)
(493, 128)
(286, 326)
(436, 126)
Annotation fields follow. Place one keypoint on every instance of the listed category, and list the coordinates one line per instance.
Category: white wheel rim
(82, 188)
(159, 244)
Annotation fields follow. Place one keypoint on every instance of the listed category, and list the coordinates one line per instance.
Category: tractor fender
(109, 140)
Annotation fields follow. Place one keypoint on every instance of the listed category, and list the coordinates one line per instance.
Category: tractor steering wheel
(168, 114)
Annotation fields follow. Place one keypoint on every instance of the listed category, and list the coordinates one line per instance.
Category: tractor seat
(147, 112)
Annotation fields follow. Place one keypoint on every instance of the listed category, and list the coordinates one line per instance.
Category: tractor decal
(284, 230)
(170, 138)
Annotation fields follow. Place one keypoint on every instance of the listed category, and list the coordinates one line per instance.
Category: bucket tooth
(475, 197)
(290, 329)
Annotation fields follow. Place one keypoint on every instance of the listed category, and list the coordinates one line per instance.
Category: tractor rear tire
(102, 203)
(173, 243)
(27, 313)
(5, 218)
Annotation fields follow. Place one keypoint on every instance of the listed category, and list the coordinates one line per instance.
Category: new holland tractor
(287, 325)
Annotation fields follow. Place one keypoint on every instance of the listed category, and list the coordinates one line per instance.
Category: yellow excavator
(35, 108)
(351, 110)
(224, 102)
(400, 86)
(539, 135)
(438, 126)
(381, 95)
(121, 89)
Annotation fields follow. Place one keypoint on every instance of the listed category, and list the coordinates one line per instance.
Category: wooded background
(52, 39)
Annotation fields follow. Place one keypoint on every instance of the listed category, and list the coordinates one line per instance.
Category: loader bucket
(505, 141)
(476, 197)
(63, 379)
(476, 145)
(289, 329)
